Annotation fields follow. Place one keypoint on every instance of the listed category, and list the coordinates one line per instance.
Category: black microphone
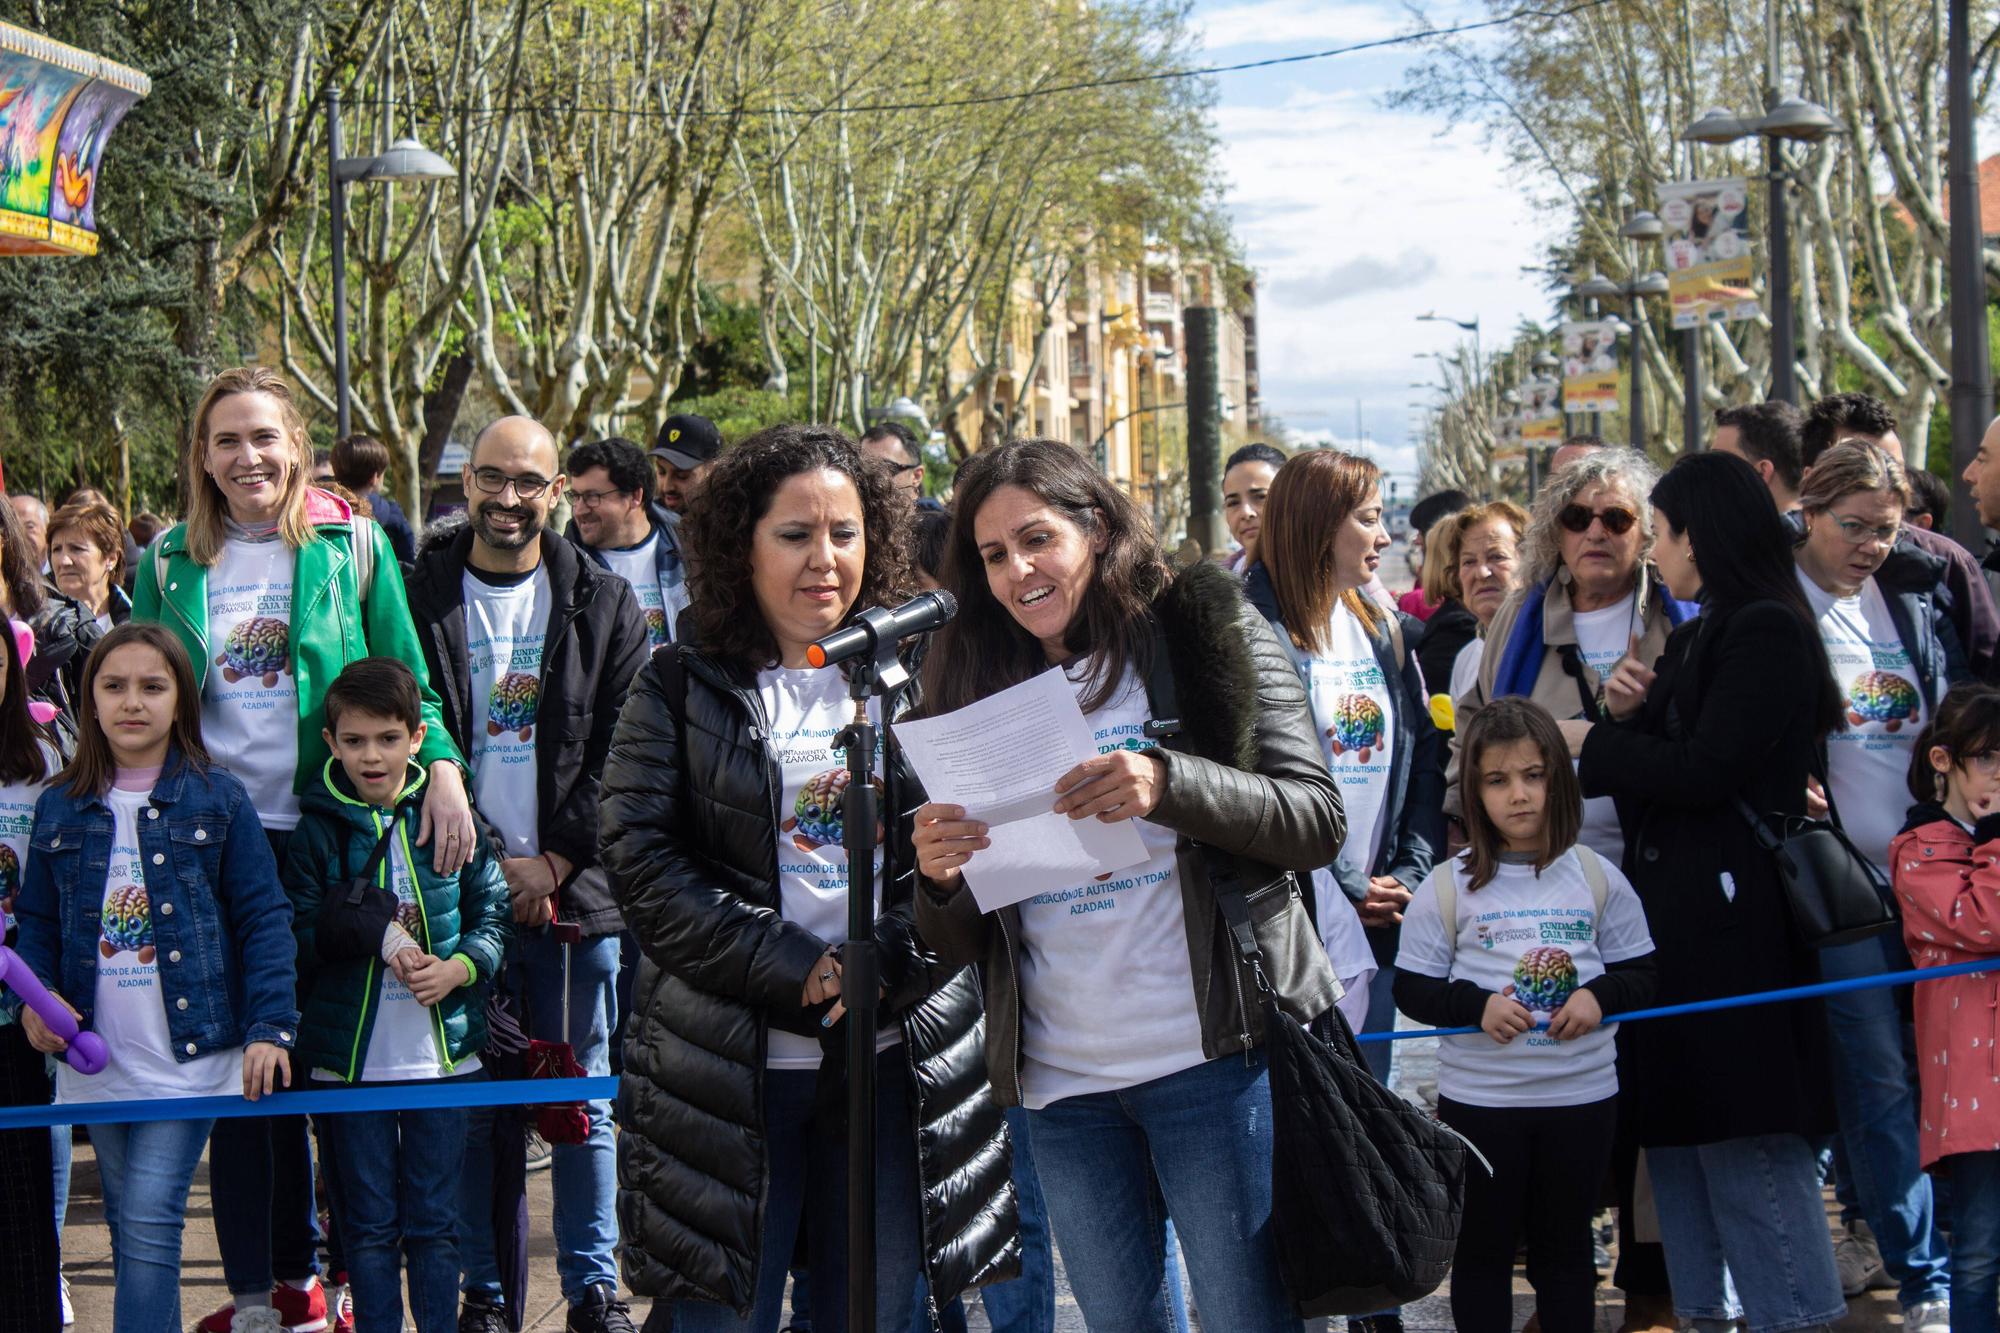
(920, 615)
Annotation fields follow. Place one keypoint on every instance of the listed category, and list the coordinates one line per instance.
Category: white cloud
(1358, 218)
(1283, 22)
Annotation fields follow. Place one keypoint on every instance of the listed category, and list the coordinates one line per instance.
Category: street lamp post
(1472, 326)
(1790, 118)
(1971, 371)
(406, 160)
(1633, 292)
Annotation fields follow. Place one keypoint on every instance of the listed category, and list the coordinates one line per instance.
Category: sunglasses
(1616, 521)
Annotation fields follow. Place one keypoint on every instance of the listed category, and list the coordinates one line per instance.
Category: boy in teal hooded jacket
(393, 976)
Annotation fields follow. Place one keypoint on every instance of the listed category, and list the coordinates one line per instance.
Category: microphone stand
(878, 671)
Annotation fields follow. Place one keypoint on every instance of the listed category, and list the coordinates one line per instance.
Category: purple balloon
(87, 1053)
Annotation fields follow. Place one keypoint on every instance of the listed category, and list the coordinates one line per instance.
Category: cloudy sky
(1359, 218)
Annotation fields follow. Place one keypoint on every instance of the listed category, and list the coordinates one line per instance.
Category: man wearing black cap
(688, 444)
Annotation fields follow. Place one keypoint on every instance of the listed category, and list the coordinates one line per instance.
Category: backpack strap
(363, 546)
(1600, 888)
(1396, 639)
(1444, 887)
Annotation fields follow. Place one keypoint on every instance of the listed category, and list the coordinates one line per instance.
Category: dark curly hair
(723, 611)
(1839, 415)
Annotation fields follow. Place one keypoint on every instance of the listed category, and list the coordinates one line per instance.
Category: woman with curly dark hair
(721, 831)
(1132, 1031)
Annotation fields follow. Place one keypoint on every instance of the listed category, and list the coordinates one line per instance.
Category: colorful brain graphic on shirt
(10, 883)
(816, 818)
(258, 647)
(1358, 726)
(128, 925)
(1544, 977)
(1881, 696)
(510, 705)
(411, 918)
(656, 625)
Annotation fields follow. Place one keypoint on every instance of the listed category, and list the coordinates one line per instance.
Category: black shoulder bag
(1836, 895)
(1367, 1191)
(356, 915)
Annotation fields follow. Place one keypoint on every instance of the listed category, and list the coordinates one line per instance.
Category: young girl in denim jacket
(151, 906)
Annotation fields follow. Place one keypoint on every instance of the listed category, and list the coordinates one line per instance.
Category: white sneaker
(256, 1319)
(1927, 1317)
(68, 1310)
(1859, 1261)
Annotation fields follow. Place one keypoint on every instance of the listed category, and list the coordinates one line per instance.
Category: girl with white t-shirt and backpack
(1526, 926)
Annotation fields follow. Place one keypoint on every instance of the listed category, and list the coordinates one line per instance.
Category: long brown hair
(1312, 495)
(22, 758)
(985, 650)
(1514, 718)
(91, 771)
(206, 507)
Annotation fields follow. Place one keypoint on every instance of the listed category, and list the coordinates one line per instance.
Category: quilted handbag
(1367, 1192)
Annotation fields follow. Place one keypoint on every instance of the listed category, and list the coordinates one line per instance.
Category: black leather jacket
(1246, 780)
(689, 821)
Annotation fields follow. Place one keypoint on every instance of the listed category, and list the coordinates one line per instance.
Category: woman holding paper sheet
(1122, 1015)
(721, 832)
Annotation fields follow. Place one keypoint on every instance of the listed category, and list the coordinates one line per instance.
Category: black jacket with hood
(596, 643)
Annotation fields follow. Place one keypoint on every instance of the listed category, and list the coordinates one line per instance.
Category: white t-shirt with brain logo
(250, 698)
(506, 627)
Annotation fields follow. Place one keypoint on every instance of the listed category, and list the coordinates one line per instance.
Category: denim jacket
(222, 926)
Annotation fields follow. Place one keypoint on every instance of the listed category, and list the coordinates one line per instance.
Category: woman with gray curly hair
(1586, 599)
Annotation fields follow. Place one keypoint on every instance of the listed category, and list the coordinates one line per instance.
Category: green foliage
(738, 411)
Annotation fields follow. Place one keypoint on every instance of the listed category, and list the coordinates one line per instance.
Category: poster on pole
(1708, 251)
(1541, 411)
(1590, 366)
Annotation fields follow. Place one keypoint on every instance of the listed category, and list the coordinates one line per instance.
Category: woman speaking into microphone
(720, 821)
(1133, 1033)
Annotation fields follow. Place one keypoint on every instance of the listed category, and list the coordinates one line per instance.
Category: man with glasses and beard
(531, 648)
(621, 525)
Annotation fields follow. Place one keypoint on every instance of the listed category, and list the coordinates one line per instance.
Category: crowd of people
(294, 796)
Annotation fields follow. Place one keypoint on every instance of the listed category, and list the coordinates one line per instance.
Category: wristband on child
(555, 876)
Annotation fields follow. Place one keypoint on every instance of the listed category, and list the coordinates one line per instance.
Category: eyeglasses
(493, 481)
(1856, 533)
(1985, 765)
(1617, 521)
(591, 499)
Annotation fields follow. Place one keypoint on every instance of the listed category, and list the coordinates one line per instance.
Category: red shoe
(340, 1305)
(302, 1311)
(219, 1321)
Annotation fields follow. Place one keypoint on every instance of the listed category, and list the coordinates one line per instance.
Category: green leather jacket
(333, 622)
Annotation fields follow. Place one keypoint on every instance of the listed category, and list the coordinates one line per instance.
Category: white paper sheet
(1000, 759)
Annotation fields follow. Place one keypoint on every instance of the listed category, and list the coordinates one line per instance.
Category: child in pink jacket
(1946, 865)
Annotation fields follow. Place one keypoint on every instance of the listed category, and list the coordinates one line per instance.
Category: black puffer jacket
(688, 819)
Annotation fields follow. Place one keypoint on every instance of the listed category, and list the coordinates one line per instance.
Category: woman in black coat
(1729, 1101)
(721, 836)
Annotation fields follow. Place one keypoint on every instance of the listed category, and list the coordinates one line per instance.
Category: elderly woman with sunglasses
(1586, 598)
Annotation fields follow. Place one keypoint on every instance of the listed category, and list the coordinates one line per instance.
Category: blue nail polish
(826, 1022)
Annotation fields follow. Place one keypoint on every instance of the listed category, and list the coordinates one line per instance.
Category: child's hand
(1505, 1019)
(1984, 804)
(404, 964)
(266, 1068)
(433, 978)
(39, 1036)
(1581, 1013)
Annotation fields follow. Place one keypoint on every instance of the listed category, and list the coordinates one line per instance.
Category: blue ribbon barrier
(1813, 991)
(540, 1091)
(328, 1099)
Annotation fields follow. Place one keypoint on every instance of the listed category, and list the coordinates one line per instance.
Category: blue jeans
(145, 1170)
(1381, 1018)
(399, 1173)
(1975, 1242)
(586, 1174)
(1875, 1094)
(1194, 1146)
(1743, 1219)
(61, 1149)
(806, 1177)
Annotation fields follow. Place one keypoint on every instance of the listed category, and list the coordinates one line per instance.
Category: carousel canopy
(58, 106)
